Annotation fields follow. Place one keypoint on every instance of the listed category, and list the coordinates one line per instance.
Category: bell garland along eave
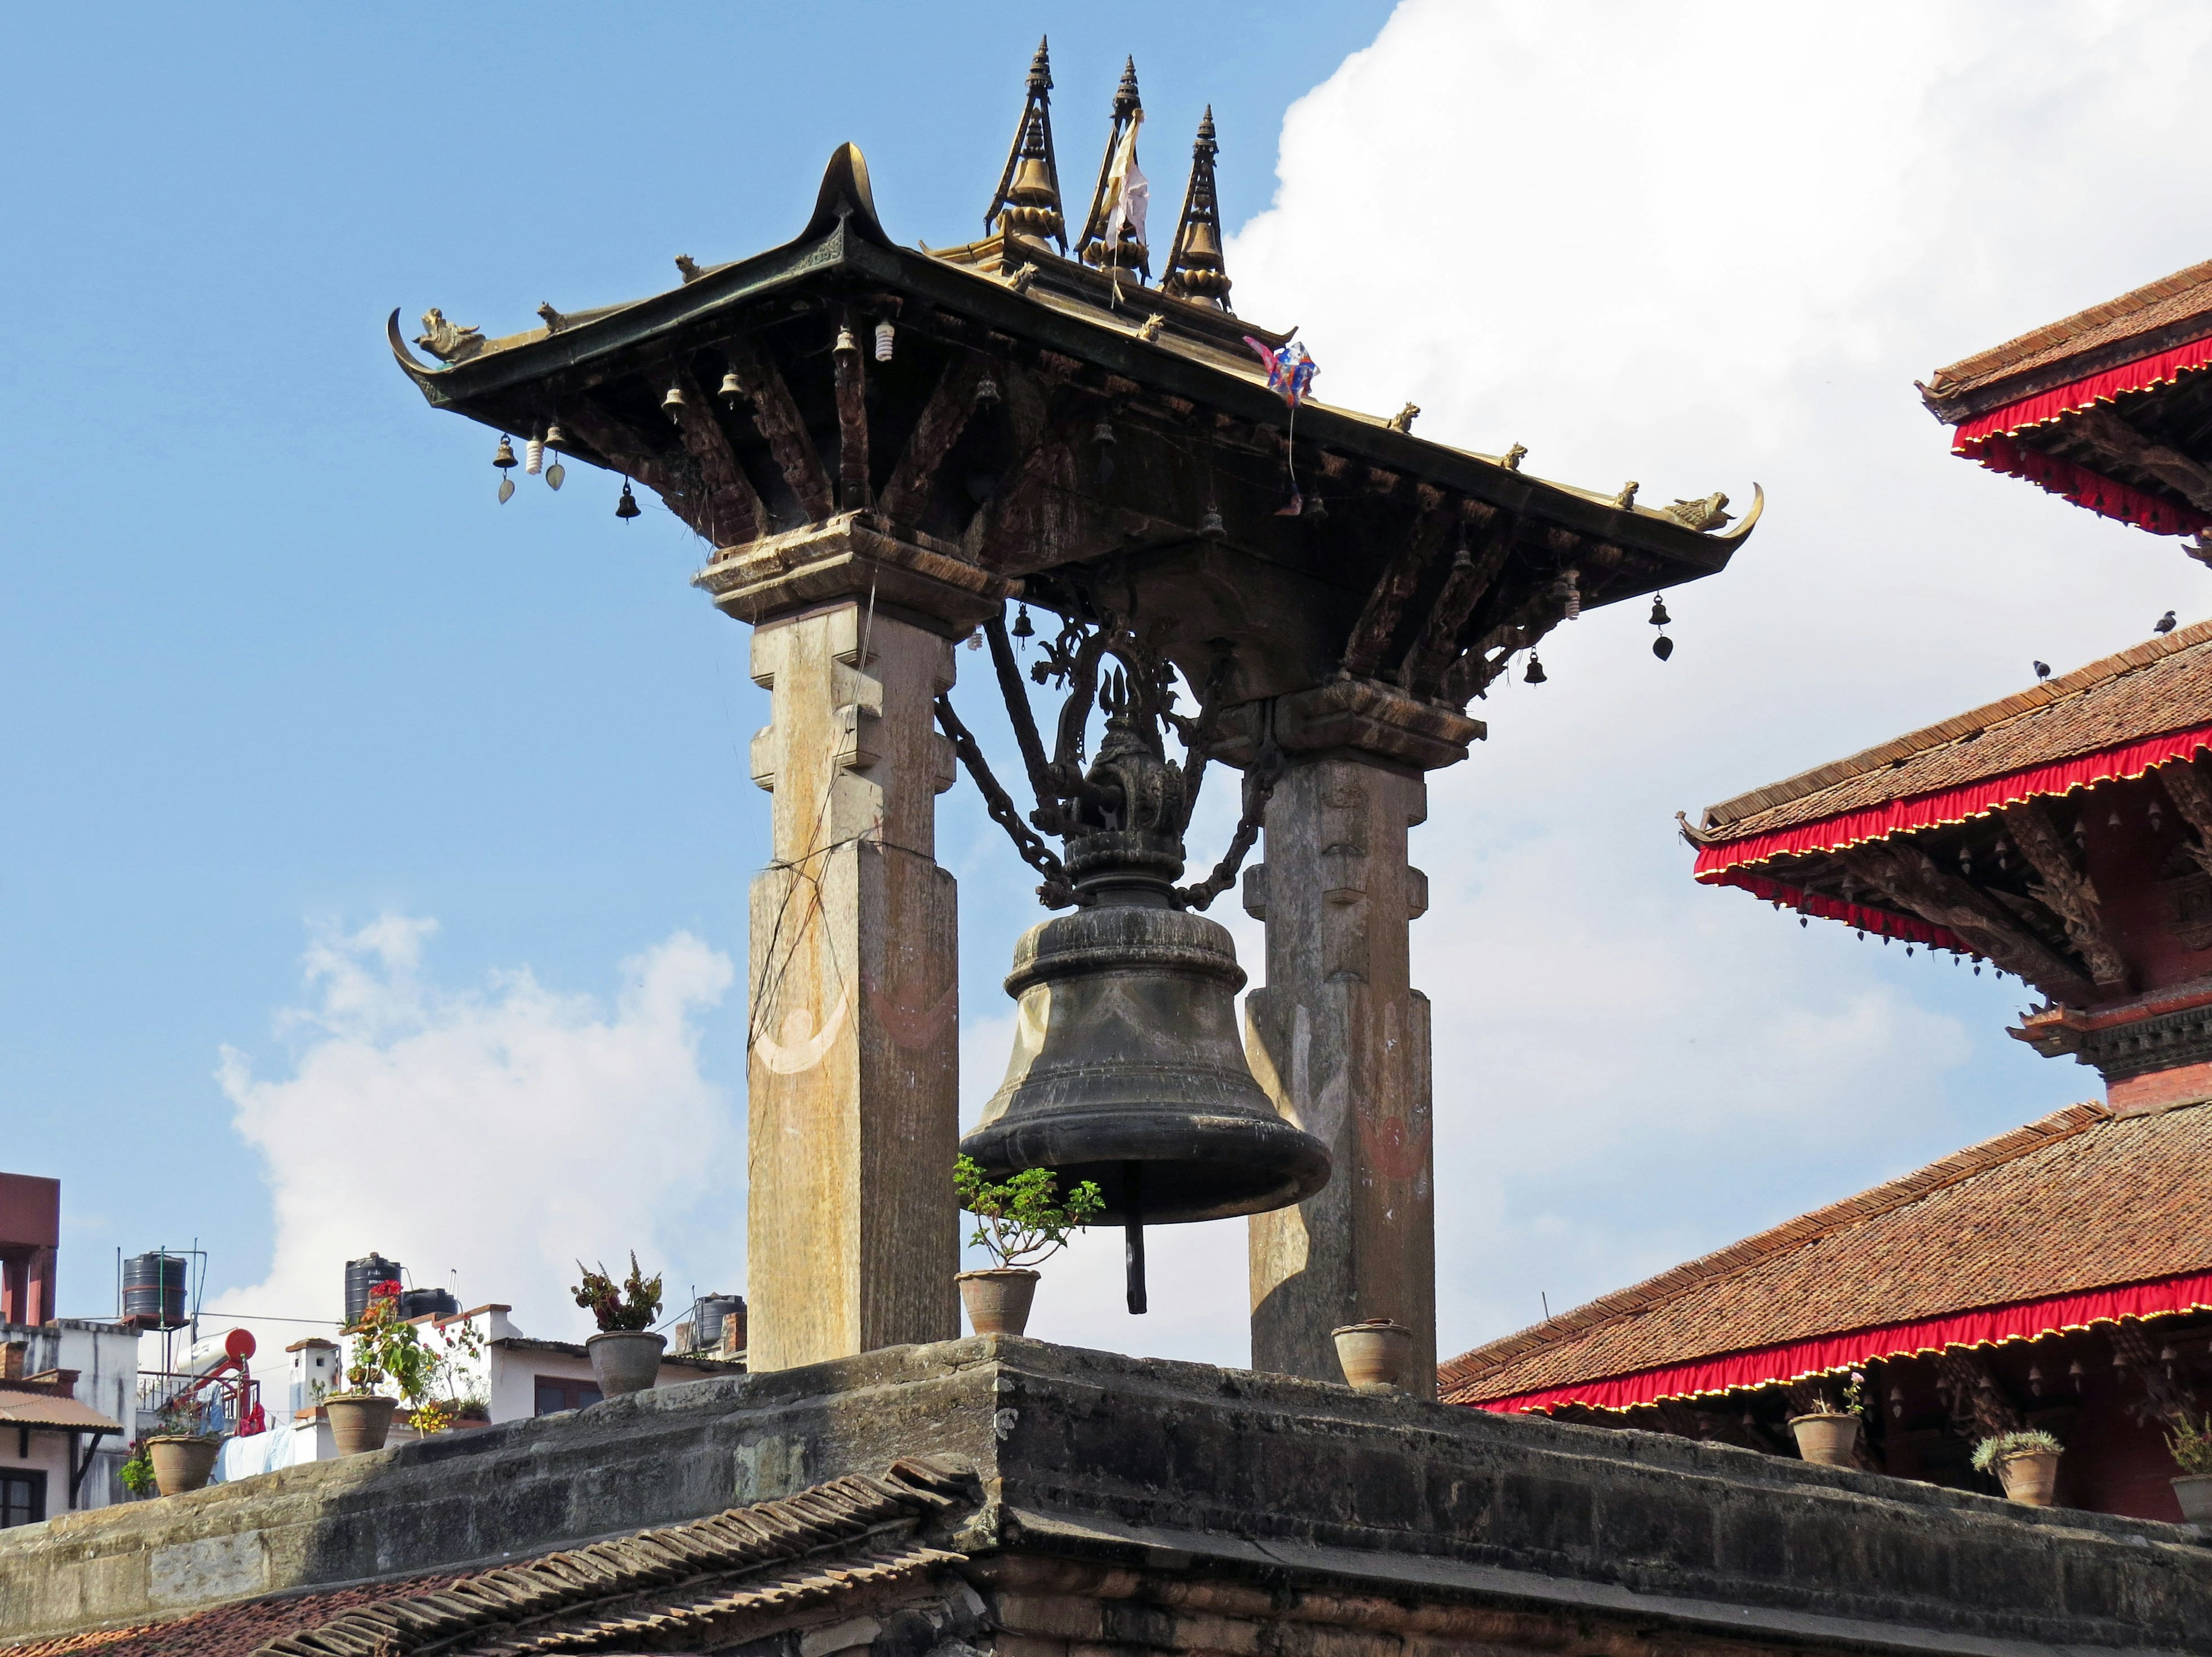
(844, 245)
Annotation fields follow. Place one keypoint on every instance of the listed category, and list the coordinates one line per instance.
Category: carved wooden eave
(1194, 436)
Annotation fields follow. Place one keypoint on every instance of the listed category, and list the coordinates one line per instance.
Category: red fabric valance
(2084, 488)
(1887, 922)
(2023, 1320)
(2046, 405)
(1988, 438)
(1951, 805)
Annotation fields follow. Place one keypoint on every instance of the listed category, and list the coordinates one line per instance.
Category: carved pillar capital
(1356, 718)
(914, 578)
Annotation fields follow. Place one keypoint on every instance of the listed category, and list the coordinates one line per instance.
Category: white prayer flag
(1128, 192)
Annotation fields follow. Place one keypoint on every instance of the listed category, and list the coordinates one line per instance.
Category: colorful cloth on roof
(1290, 370)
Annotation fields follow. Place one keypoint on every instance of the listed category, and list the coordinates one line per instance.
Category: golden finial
(1196, 269)
(1027, 202)
(1131, 254)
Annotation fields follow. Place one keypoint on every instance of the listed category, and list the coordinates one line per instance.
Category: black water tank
(707, 1315)
(360, 1276)
(154, 1290)
(427, 1303)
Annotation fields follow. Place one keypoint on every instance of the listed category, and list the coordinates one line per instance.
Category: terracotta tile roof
(2162, 685)
(2179, 299)
(2081, 1199)
(45, 1409)
(772, 1559)
(233, 1630)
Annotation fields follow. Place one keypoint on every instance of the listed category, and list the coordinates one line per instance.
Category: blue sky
(271, 653)
(274, 665)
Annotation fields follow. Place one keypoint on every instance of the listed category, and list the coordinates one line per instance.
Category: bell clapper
(1133, 1189)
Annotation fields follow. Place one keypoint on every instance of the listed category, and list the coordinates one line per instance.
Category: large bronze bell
(1126, 1068)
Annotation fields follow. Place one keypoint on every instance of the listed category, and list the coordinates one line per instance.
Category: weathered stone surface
(853, 1037)
(1340, 1039)
(1138, 1504)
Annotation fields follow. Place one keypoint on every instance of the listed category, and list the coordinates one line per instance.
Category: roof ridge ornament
(1027, 201)
(1129, 252)
(846, 200)
(1196, 269)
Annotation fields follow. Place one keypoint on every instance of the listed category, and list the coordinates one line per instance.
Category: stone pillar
(1339, 1036)
(853, 1040)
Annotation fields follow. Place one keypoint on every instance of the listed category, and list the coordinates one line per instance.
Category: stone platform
(1111, 1507)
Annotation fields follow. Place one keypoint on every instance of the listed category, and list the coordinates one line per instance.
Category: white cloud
(503, 1130)
(1696, 245)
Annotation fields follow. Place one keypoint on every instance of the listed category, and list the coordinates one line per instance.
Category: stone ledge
(1173, 1466)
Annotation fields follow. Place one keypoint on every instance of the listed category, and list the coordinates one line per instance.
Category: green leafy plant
(2027, 1441)
(633, 1307)
(137, 1472)
(182, 1417)
(1022, 1220)
(2189, 1443)
(385, 1349)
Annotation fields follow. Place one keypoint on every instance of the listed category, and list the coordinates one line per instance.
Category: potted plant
(1373, 1354)
(2025, 1462)
(1829, 1437)
(137, 1472)
(2191, 1445)
(625, 1353)
(180, 1451)
(1021, 1219)
(384, 1349)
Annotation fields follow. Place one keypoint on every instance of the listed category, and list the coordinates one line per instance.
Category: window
(558, 1393)
(22, 1498)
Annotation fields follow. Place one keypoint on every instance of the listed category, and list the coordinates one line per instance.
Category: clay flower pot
(359, 1420)
(182, 1461)
(997, 1299)
(2194, 1492)
(1374, 1353)
(625, 1360)
(1826, 1438)
(2030, 1478)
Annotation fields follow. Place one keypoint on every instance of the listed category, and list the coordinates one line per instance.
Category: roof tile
(2082, 1199)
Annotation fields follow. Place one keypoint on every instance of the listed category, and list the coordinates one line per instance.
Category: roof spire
(1027, 202)
(1132, 254)
(1196, 269)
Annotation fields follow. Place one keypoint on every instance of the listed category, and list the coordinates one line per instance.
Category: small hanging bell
(1663, 647)
(1103, 435)
(1536, 675)
(506, 489)
(987, 392)
(533, 456)
(503, 457)
(627, 507)
(1022, 628)
(555, 436)
(1211, 526)
(884, 335)
(2113, 821)
(847, 348)
(1659, 616)
(672, 405)
(731, 388)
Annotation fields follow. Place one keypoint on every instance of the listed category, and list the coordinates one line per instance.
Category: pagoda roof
(2106, 407)
(2086, 1215)
(1016, 288)
(1977, 762)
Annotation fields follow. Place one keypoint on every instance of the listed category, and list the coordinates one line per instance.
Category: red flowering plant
(387, 1349)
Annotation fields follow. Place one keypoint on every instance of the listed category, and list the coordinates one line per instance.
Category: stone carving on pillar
(853, 1033)
(1340, 1037)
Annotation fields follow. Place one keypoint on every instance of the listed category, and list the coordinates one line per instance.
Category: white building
(513, 1376)
(68, 1393)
